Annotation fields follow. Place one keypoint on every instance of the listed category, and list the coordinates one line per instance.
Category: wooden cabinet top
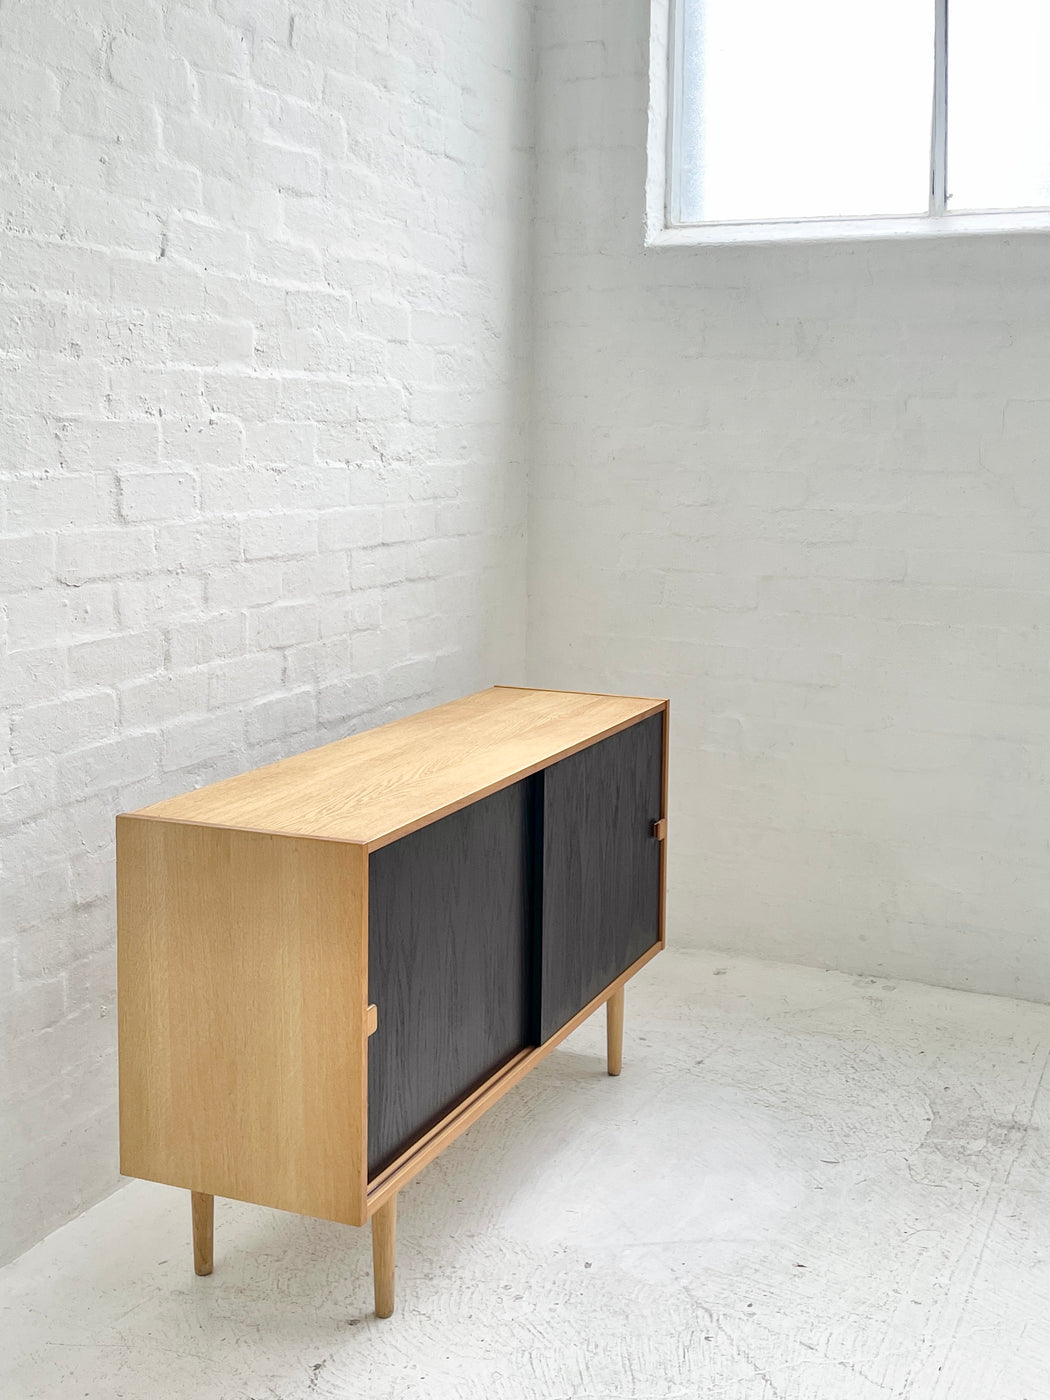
(372, 787)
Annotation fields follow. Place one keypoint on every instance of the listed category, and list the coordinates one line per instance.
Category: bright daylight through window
(921, 115)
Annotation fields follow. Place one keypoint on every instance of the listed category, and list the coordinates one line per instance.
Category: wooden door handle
(660, 828)
(371, 1018)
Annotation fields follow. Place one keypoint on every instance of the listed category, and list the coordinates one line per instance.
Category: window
(847, 118)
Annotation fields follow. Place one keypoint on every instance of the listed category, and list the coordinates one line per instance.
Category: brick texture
(299, 301)
(262, 478)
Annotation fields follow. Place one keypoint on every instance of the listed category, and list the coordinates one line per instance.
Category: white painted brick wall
(265, 414)
(805, 492)
(262, 450)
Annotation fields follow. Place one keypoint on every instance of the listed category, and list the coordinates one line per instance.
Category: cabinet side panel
(448, 966)
(241, 995)
(602, 867)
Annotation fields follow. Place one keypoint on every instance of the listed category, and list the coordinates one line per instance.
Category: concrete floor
(805, 1186)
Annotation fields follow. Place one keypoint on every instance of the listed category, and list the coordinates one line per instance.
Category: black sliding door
(601, 867)
(448, 965)
(492, 927)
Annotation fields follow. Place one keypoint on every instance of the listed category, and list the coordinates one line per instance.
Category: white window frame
(664, 230)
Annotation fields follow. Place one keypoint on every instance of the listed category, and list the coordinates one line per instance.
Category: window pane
(998, 104)
(807, 109)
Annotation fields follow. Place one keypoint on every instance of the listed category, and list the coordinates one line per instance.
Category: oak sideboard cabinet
(328, 968)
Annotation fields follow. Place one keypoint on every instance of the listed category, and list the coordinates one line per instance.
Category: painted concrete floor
(805, 1186)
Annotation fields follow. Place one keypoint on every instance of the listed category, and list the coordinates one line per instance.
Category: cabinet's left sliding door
(448, 965)
(242, 1014)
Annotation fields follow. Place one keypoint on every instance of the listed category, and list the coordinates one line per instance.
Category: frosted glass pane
(807, 109)
(998, 104)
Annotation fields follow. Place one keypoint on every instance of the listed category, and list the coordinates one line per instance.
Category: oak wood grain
(373, 787)
(242, 977)
(384, 1256)
(614, 1032)
(202, 1211)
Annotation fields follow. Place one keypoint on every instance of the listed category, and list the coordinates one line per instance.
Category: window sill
(853, 230)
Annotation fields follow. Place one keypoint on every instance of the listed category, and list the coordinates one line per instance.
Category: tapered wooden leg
(203, 1207)
(614, 1030)
(384, 1237)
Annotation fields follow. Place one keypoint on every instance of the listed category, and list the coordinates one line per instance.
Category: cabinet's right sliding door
(601, 867)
